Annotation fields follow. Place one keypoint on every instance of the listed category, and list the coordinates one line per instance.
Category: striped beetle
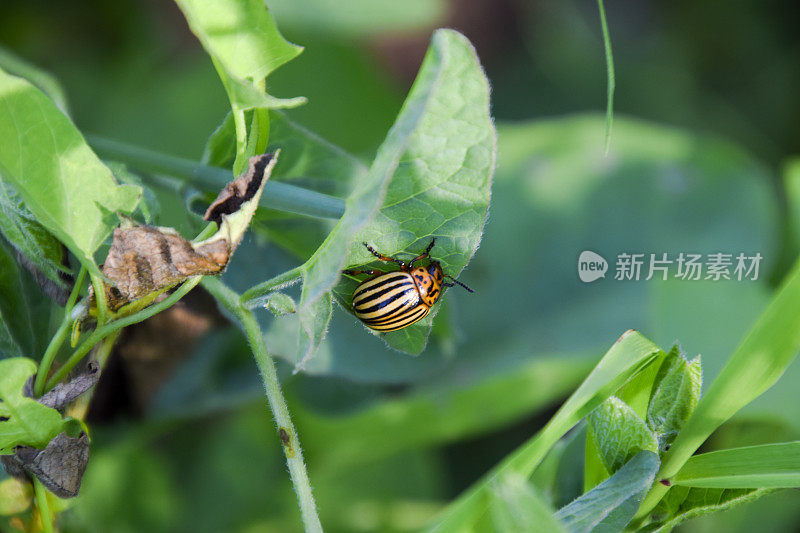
(388, 301)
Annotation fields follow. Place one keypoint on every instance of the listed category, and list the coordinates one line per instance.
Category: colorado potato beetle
(388, 301)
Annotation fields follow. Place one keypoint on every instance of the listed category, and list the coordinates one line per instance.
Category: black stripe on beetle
(382, 294)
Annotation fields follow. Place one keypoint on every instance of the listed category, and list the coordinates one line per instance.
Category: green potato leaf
(431, 177)
(245, 47)
(610, 506)
(639, 391)
(23, 421)
(442, 185)
(62, 182)
(619, 433)
(243, 41)
(447, 108)
(149, 207)
(19, 324)
(674, 399)
(28, 236)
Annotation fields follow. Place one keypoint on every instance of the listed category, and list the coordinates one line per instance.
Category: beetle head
(435, 270)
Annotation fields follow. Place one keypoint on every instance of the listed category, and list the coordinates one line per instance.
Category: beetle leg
(382, 257)
(359, 272)
(423, 255)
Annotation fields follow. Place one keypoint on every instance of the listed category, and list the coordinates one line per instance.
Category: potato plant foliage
(99, 235)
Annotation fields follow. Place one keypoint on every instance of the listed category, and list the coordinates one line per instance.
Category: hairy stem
(277, 195)
(252, 297)
(288, 435)
(59, 337)
(99, 298)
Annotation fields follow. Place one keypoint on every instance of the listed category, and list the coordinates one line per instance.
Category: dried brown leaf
(60, 466)
(146, 259)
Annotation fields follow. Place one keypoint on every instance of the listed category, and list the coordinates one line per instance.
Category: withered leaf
(145, 259)
(65, 392)
(237, 202)
(60, 466)
(242, 189)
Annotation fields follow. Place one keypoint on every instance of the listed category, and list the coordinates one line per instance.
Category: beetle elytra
(388, 301)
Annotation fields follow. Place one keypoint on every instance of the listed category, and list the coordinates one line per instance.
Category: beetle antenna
(457, 282)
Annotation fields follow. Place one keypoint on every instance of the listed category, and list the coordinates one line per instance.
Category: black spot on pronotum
(240, 190)
(286, 440)
(665, 482)
(3, 418)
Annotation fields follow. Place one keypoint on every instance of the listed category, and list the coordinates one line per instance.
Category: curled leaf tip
(241, 190)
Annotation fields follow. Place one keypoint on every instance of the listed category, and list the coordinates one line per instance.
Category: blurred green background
(707, 122)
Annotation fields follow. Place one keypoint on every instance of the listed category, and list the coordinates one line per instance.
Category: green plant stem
(261, 126)
(277, 195)
(251, 296)
(99, 298)
(59, 337)
(611, 83)
(291, 443)
(207, 232)
(241, 138)
(44, 507)
(107, 329)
